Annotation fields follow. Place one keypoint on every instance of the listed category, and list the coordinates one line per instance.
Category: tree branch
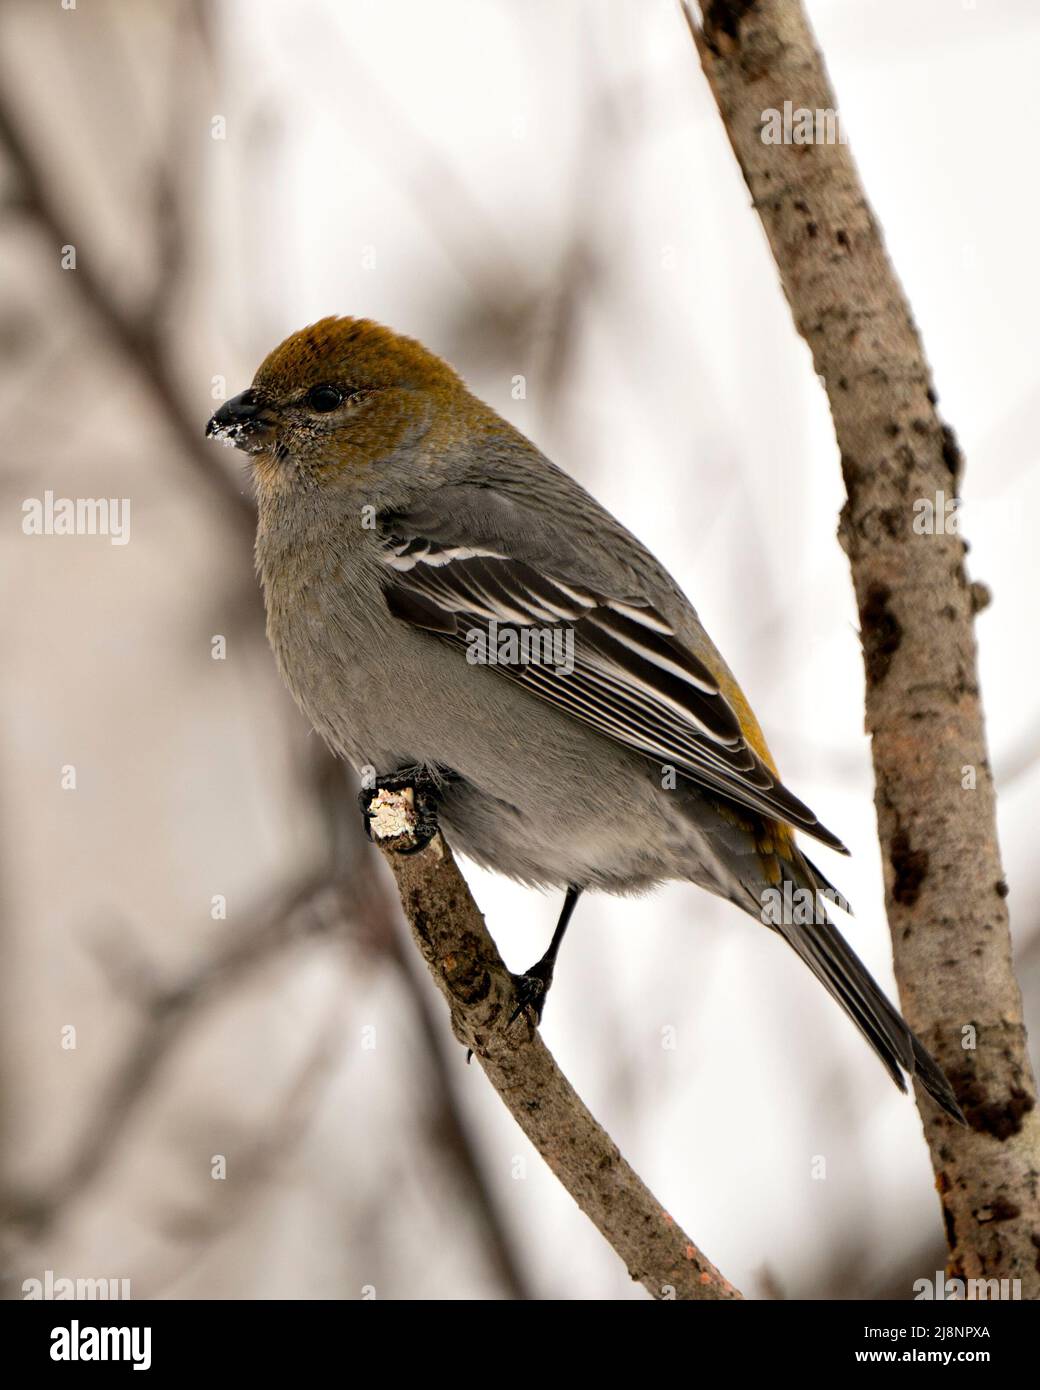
(377, 912)
(450, 932)
(944, 885)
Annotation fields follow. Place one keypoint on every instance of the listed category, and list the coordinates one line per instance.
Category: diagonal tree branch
(375, 910)
(450, 932)
(944, 884)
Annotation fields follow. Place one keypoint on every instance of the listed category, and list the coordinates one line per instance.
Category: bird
(456, 614)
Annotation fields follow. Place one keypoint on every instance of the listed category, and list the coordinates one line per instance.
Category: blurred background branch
(346, 899)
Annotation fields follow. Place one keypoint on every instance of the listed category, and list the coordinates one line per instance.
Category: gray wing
(474, 567)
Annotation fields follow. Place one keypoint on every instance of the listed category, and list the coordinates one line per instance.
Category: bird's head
(334, 399)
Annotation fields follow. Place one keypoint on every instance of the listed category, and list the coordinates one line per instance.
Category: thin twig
(335, 791)
(450, 932)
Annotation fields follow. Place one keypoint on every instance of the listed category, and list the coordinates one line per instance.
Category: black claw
(532, 988)
(425, 806)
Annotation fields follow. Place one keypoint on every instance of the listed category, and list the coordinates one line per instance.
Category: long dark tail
(834, 963)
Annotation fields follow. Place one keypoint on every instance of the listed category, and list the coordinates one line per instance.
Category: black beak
(237, 411)
(234, 412)
(242, 422)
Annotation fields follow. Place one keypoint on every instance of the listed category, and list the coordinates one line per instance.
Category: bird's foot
(400, 810)
(532, 990)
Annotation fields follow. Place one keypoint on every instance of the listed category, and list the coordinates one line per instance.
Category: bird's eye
(324, 398)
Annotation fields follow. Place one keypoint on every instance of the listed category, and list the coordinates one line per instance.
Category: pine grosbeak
(453, 611)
